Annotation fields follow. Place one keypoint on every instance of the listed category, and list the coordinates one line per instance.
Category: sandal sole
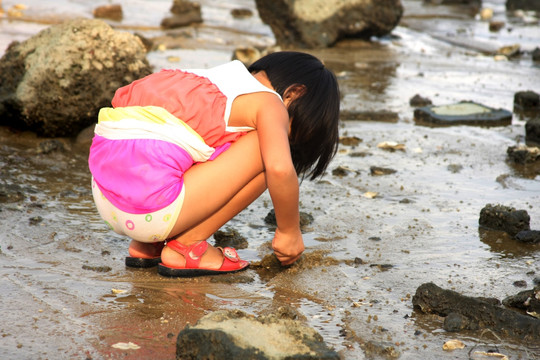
(172, 272)
(142, 263)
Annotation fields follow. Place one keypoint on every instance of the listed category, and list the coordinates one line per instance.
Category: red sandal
(193, 255)
(137, 262)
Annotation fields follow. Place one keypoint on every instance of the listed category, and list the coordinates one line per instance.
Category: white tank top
(233, 80)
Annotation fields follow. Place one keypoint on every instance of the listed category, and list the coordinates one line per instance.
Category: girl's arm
(281, 178)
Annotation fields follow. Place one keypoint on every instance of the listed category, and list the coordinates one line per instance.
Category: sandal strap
(192, 254)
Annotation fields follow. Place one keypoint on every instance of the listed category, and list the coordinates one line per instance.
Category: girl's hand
(288, 246)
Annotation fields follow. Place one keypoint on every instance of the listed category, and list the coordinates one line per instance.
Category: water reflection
(509, 248)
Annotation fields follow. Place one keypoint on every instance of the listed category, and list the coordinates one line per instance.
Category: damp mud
(374, 238)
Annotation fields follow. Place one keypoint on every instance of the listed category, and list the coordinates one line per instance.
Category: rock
(529, 236)
(241, 13)
(475, 313)
(522, 154)
(527, 100)
(55, 82)
(509, 50)
(536, 54)
(305, 218)
(350, 140)
(504, 218)
(463, 113)
(376, 171)
(111, 12)
(528, 300)
(532, 131)
(230, 238)
(224, 335)
(532, 5)
(419, 101)
(321, 23)
(495, 26)
(247, 55)
(184, 13)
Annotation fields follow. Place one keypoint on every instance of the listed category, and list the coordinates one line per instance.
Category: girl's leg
(215, 192)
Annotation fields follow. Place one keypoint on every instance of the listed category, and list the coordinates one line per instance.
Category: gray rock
(55, 82)
(462, 113)
(236, 335)
(321, 23)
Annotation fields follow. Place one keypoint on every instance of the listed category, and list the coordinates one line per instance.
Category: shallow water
(59, 264)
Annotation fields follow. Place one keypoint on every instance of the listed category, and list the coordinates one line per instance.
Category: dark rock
(477, 314)
(224, 335)
(528, 300)
(419, 101)
(184, 13)
(532, 131)
(522, 154)
(317, 24)
(504, 218)
(230, 238)
(111, 12)
(529, 236)
(520, 283)
(34, 220)
(350, 140)
(536, 54)
(526, 100)
(532, 5)
(241, 13)
(376, 171)
(463, 113)
(495, 26)
(55, 82)
(305, 218)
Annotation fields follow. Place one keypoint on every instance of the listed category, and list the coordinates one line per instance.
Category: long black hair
(314, 132)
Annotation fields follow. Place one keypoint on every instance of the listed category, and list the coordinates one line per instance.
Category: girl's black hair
(315, 113)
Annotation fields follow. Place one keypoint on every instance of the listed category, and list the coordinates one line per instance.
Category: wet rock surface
(227, 335)
(316, 24)
(55, 82)
(504, 218)
(463, 113)
(474, 314)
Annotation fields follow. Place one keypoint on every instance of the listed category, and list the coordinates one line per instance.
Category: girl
(182, 152)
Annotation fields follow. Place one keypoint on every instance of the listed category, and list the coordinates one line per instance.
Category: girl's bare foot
(143, 250)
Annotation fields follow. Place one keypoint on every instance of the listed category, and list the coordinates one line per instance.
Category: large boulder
(225, 335)
(55, 82)
(320, 23)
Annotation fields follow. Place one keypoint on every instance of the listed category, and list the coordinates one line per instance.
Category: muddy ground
(65, 292)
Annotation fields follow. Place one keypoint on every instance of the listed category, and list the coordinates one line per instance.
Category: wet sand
(67, 294)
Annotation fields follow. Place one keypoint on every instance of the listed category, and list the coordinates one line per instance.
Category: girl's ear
(293, 92)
